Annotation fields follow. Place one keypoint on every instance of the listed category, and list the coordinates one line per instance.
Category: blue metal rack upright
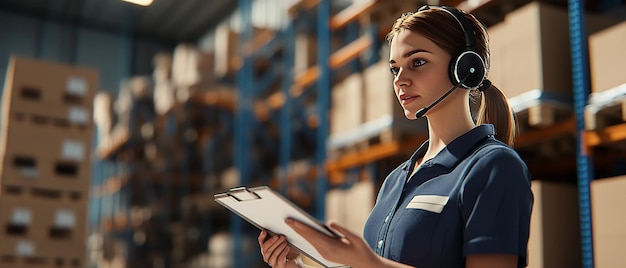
(285, 113)
(323, 105)
(243, 135)
(580, 76)
(249, 86)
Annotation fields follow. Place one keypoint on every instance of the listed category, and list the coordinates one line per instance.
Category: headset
(467, 68)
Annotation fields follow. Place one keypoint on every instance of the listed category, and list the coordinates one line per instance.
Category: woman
(463, 199)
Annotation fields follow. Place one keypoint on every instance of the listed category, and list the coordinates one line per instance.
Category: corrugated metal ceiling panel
(171, 21)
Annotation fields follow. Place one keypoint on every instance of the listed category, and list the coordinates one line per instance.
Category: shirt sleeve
(496, 204)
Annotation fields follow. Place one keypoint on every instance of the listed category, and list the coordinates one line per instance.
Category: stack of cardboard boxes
(45, 169)
(607, 104)
(531, 63)
(607, 107)
(608, 221)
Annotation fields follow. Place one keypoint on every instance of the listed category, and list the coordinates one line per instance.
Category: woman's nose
(401, 78)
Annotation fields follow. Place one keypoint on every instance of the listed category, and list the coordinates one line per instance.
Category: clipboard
(267, 210)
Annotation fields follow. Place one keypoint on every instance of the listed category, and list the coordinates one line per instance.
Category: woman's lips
(406, 99)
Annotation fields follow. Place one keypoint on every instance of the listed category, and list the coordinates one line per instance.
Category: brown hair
(440, 27)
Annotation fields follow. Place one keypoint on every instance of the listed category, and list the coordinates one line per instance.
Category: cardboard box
(42, 231)
(46, 140)
(49, 89)
(60, 176)
(607, 58)
(385, 13)
(531, 51)
(51, 82)
(45, 156)
(229, 51)
(21, 253)
(60, 115)
(305, 53)
(226, 50)
(351, 207)
(164, 97)
(346, 112)
(609, 221)
(191, 67)
(163, 64)
(554, 229)
(380, 98)
(103, 116)
(498, 49)
(141, 87)
(40, 218)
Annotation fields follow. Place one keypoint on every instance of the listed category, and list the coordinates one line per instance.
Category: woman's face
(420, 70)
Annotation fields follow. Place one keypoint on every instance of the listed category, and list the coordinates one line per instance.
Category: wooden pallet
(537, 109)
(550, 148)
(376, 133)
(542, 114)
(607, 115)
(364, 143)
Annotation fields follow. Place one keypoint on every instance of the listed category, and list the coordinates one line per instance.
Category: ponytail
(494, 109)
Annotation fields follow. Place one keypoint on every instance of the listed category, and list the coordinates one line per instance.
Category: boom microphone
(421, 112)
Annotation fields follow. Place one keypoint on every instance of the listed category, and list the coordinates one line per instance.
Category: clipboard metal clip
(242, 194)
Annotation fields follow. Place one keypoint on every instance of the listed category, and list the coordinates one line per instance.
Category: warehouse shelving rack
(280, 107)
(587, 140)
(124, 179)
(315, 81)
(294, 88)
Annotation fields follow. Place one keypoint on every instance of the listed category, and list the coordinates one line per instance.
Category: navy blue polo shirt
(473, 197)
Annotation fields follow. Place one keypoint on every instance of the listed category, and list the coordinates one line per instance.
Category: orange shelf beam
(557, 130)
(337, 167)
(302, 4)
(337, 59)
(375, 152)
(606, 135)
(306, 78)
(259, 40)
(350, 14)
(349, 52)
(223, 99)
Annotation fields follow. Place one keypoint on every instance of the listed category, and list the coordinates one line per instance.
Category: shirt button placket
(380, 244)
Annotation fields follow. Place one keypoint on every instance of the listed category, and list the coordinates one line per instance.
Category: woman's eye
(418, 62)
(394, 70)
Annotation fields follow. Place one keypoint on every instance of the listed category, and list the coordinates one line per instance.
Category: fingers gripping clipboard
(267, 210)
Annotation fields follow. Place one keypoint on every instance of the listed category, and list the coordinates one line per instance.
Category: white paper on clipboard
(267, 210)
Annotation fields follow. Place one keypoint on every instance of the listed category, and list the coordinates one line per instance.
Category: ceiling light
(139, 2)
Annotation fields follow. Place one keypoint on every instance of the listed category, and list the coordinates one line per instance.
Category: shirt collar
(450, 155)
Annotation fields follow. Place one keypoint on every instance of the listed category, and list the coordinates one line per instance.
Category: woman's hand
(350, 250)
(277, 252)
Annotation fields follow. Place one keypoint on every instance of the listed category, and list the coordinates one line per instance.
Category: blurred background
(120, 121)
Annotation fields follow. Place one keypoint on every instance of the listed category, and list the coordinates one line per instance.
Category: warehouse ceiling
(177, 21)
(165, 21)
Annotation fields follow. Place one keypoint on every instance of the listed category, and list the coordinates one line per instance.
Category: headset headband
(470, 41)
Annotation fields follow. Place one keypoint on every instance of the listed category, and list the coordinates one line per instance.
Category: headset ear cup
(469, 64)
